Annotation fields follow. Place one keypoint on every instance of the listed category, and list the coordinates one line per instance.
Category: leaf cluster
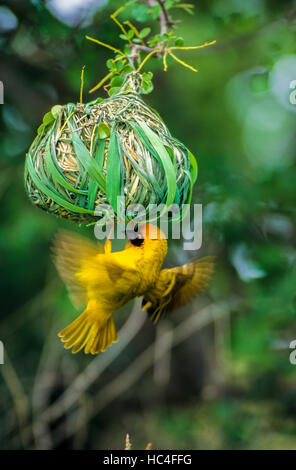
(142, 43)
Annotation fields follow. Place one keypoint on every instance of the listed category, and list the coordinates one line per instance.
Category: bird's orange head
(149, 238)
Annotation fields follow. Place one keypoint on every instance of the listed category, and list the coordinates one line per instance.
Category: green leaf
(152, 41)
(155, 12)
(113, 90)
(144, 32)
(111, 65)
(147, 75)
(169, 3)
(120, 65)
(55, 110)
(127, 69)
(141, 13)
(179, 42)
(164, 36)
(113, 178)
(126, 49)
(130, 34)
(193, 167)
(103, 131)
(116, 81)
(40, 129)
(48, 118)
(147, 87)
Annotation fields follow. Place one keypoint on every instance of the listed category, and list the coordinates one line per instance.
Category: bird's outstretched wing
(178, 286)
(91, 270)
(101, 280)
(69, 252)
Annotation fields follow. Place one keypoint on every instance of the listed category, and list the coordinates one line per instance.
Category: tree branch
(165, 21)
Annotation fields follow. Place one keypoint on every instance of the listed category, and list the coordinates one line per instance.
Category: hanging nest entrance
(86, 155)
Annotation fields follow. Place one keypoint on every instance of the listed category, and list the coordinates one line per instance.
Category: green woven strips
(93, 186)
(99, 156)
(84, 179)
(166, 162)
(171, 154)
(193, 167)
(52, 194)
(113, 179)
(45, 177)
(177, 196)
(138, 158)
(152, 172)
(90, 165)
(145, 140)
(55, 172)
(147, 178)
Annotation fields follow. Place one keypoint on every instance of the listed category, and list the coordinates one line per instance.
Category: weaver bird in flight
(103, 281)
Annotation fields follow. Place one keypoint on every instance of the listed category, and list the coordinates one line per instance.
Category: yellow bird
(105, 281)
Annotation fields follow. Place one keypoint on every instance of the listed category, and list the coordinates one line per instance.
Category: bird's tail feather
(88, 333)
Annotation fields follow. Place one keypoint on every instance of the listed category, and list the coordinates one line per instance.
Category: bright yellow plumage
(103, 281)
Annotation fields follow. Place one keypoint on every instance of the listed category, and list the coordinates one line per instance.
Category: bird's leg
(111, 232)
(147, 305)
(108, 244)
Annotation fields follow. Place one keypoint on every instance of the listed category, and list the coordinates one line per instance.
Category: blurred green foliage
(231, 384)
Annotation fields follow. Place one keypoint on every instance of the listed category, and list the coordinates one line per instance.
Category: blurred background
(215, 375)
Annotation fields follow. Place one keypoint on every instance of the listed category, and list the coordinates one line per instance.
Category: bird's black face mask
(136, 239)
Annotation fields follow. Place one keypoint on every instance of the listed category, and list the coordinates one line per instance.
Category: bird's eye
(138, 241)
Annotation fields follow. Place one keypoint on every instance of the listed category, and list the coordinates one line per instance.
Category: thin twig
(165, 20)
(81, 84)
(165, 24)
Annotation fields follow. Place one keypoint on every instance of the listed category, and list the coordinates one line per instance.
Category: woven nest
(86, 155)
